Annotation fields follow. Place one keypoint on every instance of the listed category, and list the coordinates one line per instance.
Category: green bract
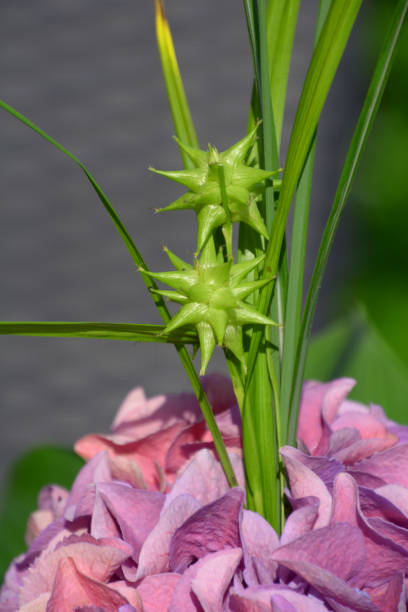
(243, 185)
(211, 295)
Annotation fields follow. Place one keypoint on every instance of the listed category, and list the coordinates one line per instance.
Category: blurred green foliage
(379, 202)
(31, 471)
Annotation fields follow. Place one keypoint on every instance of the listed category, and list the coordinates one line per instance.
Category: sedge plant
(243, 289)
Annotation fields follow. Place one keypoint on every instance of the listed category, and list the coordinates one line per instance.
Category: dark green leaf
(107, 331)
(32, 471)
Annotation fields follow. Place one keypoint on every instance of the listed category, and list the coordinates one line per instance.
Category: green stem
(227, 228)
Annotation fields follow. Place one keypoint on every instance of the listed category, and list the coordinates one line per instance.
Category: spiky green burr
(243, 185)
(211, 294)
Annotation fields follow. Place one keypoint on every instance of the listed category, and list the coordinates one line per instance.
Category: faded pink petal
(305, 483)
(72, 588)
(82, 494)
(217, 570)
(92, 559)
(135, 510)
(212, 528)
(37, 522)
(259, 540)
(156, 591)
(221, 565)
(155, 552)
(396, 494)
(391, 466)
(300, 521)
(203, 478)
(272, 598)
(318, 398)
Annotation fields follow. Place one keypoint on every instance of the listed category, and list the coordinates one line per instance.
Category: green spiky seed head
(243, 184)
(212, 297)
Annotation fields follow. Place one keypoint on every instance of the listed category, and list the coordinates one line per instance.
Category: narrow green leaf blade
(281, 24)
(106, 331)
(131, 247)
(366, 118)
(325, 61)
(293, 306)
(179, 108)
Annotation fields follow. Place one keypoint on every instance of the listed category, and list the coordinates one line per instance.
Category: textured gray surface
(88, 73)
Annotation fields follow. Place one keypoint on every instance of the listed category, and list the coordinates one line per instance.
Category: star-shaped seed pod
(243, 184)
(211, 297)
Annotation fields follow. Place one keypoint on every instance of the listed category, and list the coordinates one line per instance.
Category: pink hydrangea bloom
(152, 439)
(109, 544)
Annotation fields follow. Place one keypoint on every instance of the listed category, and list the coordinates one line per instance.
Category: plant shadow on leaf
(354, 347)
(30, 472)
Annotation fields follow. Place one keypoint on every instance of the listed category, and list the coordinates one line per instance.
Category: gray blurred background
(88, 73)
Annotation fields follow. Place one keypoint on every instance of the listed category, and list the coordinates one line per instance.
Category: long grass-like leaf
(184, 127)
(325, 61)
(162, 308)
(281, 24)
(131, 247)
(107, 331)
(366, 118)
(179, 108)
(293, 309)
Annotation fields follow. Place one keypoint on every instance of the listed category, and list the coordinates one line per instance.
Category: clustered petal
(185, 542)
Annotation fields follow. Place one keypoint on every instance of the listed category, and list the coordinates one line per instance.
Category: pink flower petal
(135, 510)
(221, 566)
(155, 552)
(92, 559)
(273, 598)
(259, 540)
(212, 528)
(156, 591)
(71, 589)
(81, 499)
(300, 521)
(217, 570)
(305, 483)
(203, 478)
(391, 466)
(318, 398)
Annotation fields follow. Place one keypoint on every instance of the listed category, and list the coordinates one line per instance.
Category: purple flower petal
(81, 499)
(203, 478)
(154, 555)
(259, 540)
(304, 483)
(212, 528)
(156, 591)
(135, 510)
(217, 570)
